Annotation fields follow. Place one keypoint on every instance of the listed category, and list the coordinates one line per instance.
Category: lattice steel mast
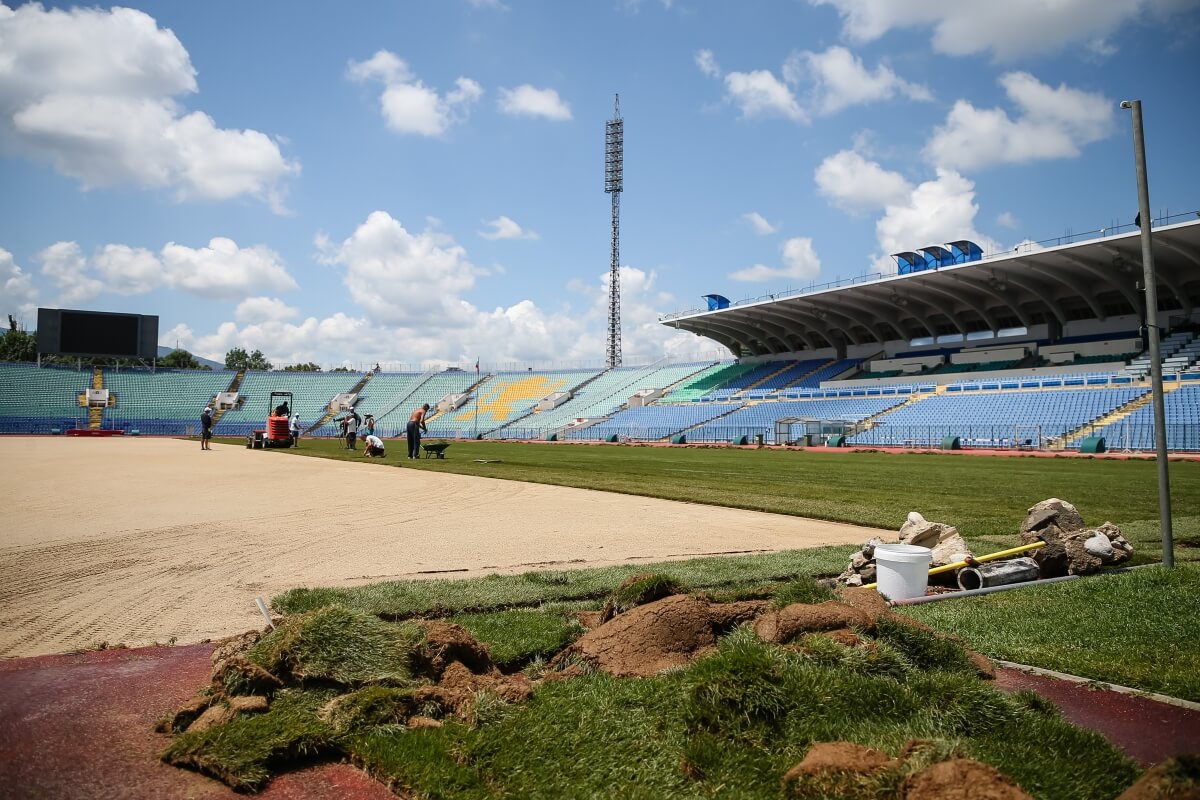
(614, 157)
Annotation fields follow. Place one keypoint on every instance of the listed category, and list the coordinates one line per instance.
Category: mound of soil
(868, 601)
(646, 640)
(962, 779)
(1173, 779)
(783, 625)
(447, 643)
(840, 757)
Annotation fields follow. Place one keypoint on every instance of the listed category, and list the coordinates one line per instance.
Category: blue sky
(414, 182)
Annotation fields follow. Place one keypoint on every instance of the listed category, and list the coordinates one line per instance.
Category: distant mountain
(162, 351)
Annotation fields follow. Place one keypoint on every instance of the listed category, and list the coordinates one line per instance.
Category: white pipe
(262, 609)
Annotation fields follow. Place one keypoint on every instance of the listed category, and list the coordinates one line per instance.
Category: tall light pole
(614, 160)
(1156, 386)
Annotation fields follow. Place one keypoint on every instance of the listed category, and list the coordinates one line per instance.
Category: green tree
(309, 367)
(237, 358)
(341, 369)
(18, 346)
(180, 359)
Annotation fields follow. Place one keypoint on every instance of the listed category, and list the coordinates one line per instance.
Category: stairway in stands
(786, 366)
(219, 412)
(866, 423)
(330, 413)
(796, 383)
(96, 414)
(1116, 415)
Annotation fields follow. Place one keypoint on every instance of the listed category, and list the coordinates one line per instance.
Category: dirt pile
(671, 632)
(848, 771)
(962, 779)
(679, 629)
(1175, 779)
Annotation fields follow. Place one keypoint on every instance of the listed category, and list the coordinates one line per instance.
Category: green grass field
(985, 497)
(730, 724)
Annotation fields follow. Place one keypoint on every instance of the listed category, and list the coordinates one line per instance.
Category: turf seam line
(1115, 687)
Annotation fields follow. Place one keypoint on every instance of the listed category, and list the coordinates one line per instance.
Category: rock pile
(1072, 548)
(944, 540)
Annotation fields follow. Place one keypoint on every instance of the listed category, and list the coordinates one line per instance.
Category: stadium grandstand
(1042, 347)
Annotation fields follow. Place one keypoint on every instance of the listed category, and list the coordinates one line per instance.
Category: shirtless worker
(416, 424)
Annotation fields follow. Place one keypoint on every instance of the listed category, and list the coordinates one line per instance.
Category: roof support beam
(1004, 298)
(970, 303)
(1109, 279)
(1088, 296)
(798, 331)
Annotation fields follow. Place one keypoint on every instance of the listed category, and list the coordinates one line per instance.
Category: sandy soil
(137, 541)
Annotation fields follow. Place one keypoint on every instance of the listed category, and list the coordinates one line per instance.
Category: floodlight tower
(614, 157)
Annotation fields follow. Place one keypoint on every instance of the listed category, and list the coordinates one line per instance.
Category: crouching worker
(374, 446)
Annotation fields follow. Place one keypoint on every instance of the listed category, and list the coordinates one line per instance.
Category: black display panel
(97, 333)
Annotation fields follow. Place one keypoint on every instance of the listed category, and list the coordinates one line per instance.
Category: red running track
(80, 726)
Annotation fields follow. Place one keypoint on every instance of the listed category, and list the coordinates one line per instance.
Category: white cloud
(832, 80)
(857, 185)
(1006, 219)
(707, 63)
(1052, 123)
(761, 94)
(408, 105)
(800, 262)
(410, 286)
(405, 279)
(937, 211)
(520, 333)
(504, 228)
(1007, 30)
(222, 270)
(64, 263)
(761, 226)
(17, 293)
(129, 270)
(93, 92)
(840, 80)
(264, 309)
(528, 101)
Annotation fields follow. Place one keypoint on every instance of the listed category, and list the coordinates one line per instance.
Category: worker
(374, 446)
(295, 430)
(416, 425)
(351, 430)
(206, 425)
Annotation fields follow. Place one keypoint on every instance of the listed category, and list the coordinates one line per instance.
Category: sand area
(136, 541)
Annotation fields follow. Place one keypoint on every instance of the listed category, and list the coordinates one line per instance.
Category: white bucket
(902, 570)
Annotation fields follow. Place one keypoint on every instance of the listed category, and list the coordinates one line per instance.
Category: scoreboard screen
(96, 333)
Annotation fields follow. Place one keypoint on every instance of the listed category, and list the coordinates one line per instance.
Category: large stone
(949, 550)
(1053, 511)
(1071, 547)
(920, 532)
(868, 548)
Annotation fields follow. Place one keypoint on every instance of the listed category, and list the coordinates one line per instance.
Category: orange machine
(278, 431)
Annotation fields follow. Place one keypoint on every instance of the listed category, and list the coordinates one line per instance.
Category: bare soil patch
(137, 541)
